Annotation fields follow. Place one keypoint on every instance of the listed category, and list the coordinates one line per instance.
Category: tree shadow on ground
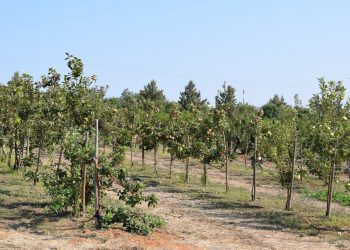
(4, 192)
(245, 214)
(28, 215)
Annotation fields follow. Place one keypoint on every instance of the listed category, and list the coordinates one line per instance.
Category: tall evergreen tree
(151, 92)
(226, 97)
(273, 108)
(191, 97)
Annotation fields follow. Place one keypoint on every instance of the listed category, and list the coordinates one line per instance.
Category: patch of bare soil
(198, 223)
(110, 239)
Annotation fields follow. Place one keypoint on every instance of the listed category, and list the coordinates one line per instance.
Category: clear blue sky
(264, 47)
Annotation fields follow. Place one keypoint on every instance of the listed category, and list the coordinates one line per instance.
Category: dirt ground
(191, 224)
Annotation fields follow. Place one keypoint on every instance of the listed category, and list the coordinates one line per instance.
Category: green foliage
(132, 220)
(131, 193)
(274, 107)
(152, 93)
(329, 129)
(226, 98)
(75, 65)
(190, 98)
(61, 113)
(31, 176)
(277, 143)
(28, 161)
(63, 187)
(339, 197)
(117, 156)
(347, 186)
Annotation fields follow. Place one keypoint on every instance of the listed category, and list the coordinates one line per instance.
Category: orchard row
(61, 112)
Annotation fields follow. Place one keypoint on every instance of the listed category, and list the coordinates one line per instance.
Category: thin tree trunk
(131, 160)
(22, 146)
(143, 156)
(28, 145)
(246, 153)
(254, 167)
(205, 174)
(104, 146)
(155, 157)
(27, 153)
(9, 155)
(348, 168)
(330, 191)
(301, 163)
(16, 165)
(3, 150)
(83, 188)
(97, 183)
(171, 165)
(38, 162)
(60, 156)
(289, 196)
(226, 162)
(187, 175)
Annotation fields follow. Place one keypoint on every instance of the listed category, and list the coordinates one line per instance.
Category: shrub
(132, 220)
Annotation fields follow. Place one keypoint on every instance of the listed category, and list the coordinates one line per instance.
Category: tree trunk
(3, 150)
(60, 156)
(27, 153)
(27, 147)
(83, 188)
(22, 146)
(246, 153)
(187, 175)
(104, 146)
(330, 191)
(131, 160)
(301, 163)
(97, 183)
(205, 174)
(143, 156)
(348, 168)
(10, 153)
(226, 162)
(155, 157)
(290, 189)
(38, 162)
(254, 167)
(230, 146)
(17, 159)
(171, 165)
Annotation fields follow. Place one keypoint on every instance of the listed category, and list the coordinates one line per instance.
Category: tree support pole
(254, 167)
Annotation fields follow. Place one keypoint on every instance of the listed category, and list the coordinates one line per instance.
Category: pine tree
(191, 97)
